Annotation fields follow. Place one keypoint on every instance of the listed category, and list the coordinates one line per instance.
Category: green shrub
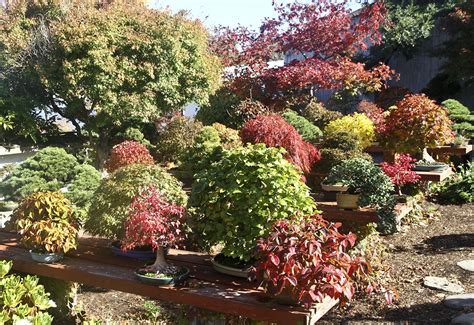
(461, 116)
(176, 138)
(455, 108)
(341, 140)
(22, 298)
(308, 131)
(229, 137)
(239, 196)
(48, 170)
(81, 189)
(219, 109)
(111, 201)
(134, 134)
(362, 177)
(317, 114)
(457, 189)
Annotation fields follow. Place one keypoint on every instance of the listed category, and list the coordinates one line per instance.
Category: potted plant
(239, 196)
(110, 204)
(46, 224)
(155, 222)
(8, 206)
(459, 141)
(430, 166)
(368, 185)
(306, 261)
(401, 173)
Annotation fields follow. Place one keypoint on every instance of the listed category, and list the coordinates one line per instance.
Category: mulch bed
(432, 248)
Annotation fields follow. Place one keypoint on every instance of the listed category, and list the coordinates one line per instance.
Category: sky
(224, 12)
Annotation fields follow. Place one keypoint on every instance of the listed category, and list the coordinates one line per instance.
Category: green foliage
(102, 66)
(46, 222)
(461, 116)
(22, 298)
(358, 125)
(457, 189)
(135, 134)
(308, 131)
(238, 197)
(64, 294)
(220, 108)
(110, 203)
(81, 189)
(317, 114)
(48, 170)
(176, 138)
(229, 137)
(362, 177)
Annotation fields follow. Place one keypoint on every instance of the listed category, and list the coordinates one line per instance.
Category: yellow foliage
(357, 124)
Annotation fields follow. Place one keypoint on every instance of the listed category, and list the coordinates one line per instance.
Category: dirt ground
(430, 248)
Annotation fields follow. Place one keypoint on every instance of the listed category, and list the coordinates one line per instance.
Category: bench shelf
(94, 264)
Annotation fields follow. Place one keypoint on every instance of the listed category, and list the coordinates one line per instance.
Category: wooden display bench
(451, 151)
(434, 176)
(94, 264)
(331, 212)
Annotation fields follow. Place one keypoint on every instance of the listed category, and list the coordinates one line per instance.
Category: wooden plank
(212, 295)
(434, 176)
(331, 212)
(452, 151)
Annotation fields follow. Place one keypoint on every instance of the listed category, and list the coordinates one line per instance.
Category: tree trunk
(160, 262)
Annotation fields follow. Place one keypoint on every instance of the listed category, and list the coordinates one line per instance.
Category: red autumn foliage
(400, 172)
(152, 221)
(322, 33)
(390, 96)
(127, 153)
(374, 113)
(308, 261)
(274, 131)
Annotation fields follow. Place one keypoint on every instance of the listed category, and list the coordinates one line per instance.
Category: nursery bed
(94, 264)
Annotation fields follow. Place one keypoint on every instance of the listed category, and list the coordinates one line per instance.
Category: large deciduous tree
(324, 35)
(101, 67)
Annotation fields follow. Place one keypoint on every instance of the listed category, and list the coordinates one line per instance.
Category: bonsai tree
(461, 116)
(229, 137)
(127, 153)
(400, 172)
(153, 221)
(308, 261)
(362, 177)
(416, 122)
(274, 131)
(358, 125)
(374, 113)
(320, 116)
(46, 223)
(111, 201)
(51, 169)
(241, 193)
(308, 131)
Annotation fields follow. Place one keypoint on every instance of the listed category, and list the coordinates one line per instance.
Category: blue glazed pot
(143, 255)
(163, 281)
(46, 257)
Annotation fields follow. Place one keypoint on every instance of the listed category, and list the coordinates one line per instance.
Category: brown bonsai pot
(347, 201)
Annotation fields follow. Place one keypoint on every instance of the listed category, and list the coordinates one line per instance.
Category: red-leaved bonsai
(127, 153)
(153, 221)
(400, 171)
(307, 260)
(274, 131)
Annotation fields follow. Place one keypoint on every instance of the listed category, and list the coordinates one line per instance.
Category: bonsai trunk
(160, 263)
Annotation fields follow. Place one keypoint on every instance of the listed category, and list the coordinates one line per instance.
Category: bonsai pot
(230, 266)
(143, 254)
(401, 198)
(8, 206)
(347, 201)
(162, 280)
(431, 167)
(334, 187)
(46, 257)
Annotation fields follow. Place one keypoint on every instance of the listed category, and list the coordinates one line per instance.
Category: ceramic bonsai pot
(163, 280)
(138, 254)
(347, 201)
(334, 187)
(431, 167)
(46, 257)
(219, 266)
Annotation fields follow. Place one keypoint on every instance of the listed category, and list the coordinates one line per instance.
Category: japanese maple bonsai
(156, 222)
(306, 261)
(400, 171)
